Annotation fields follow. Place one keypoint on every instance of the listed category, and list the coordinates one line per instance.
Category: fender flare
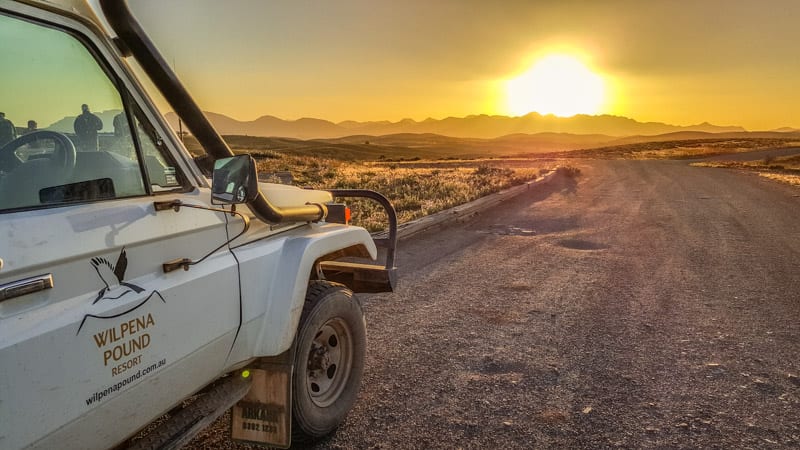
(298, 259)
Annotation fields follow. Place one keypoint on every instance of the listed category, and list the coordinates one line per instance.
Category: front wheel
(329, 360)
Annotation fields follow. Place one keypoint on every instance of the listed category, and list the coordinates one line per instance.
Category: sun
(556, 84)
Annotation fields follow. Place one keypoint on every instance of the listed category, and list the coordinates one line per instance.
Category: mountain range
(475, 126)
(549, 133)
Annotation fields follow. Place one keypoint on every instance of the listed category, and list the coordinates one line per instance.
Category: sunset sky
(679, 62)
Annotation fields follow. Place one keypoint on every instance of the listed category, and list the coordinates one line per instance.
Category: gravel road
(647, 304)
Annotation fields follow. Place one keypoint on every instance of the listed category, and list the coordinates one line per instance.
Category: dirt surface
(648, 304)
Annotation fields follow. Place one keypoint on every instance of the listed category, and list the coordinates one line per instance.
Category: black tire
(329, 360)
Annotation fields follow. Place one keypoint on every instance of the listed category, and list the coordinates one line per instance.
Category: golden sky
(731, 62)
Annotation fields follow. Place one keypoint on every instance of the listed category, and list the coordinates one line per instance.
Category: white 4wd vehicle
(131, 285)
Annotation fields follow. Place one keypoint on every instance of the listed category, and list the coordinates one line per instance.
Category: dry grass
(784, 178)
(415, 190)
(784, 169)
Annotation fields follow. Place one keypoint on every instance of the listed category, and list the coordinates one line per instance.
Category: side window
(65, 135)
(160, 168)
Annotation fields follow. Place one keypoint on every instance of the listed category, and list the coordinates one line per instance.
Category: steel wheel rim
(329, 362)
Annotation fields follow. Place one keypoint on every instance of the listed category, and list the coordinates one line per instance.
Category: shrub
(569, 171)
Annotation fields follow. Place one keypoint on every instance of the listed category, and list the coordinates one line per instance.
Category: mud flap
(264, 415)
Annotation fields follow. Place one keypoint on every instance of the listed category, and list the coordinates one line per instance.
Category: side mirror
(234, 180)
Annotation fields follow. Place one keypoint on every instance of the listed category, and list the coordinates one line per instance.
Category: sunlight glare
(556, 84)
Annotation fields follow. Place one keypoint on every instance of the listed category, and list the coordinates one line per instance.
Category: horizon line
(553, 116)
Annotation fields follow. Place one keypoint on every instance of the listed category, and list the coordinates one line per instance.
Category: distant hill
(697, 135)
(504, 145)
(410, 146)
(476, 126)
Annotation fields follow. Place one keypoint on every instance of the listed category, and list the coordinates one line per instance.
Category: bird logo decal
(113, 276)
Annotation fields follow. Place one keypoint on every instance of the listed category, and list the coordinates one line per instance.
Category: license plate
(263, 416)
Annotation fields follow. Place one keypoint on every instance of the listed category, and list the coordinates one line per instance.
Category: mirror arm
(175, 205)
(184, 263)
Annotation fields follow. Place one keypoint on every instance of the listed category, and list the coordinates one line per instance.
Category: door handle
(26, 286)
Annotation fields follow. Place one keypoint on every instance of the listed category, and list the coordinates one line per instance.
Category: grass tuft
(569, 171)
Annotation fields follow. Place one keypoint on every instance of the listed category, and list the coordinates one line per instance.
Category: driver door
(95, 339)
